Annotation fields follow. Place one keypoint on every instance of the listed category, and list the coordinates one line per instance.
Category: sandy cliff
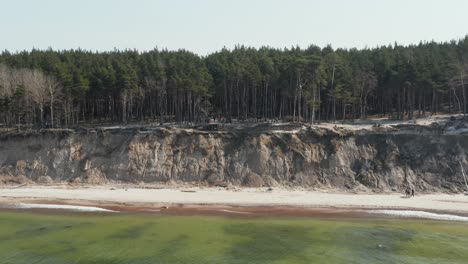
(378, 159)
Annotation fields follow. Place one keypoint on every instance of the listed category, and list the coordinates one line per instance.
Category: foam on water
(234, 212)
(420, 214)
(63, 207)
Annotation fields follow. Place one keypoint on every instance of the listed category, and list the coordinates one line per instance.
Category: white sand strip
(63, 207)
(420, 214)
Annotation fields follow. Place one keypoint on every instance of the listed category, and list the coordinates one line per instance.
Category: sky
(205, 26)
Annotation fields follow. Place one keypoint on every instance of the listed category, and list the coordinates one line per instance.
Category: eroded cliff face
(309, 157)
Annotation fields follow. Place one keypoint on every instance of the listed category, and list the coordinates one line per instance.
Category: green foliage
(247, 82)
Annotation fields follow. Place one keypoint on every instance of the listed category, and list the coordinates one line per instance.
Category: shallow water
(27, 237)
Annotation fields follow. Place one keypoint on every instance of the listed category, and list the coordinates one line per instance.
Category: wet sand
(245, 201)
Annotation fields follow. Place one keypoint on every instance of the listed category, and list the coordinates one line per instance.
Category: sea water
(58, 237)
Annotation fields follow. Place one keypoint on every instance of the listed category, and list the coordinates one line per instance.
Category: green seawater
(52, 238)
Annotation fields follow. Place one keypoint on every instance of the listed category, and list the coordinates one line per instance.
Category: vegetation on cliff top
(63, 88)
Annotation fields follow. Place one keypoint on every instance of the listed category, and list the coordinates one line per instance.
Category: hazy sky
(204, 26)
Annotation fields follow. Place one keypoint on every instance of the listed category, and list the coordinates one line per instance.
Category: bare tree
(5, 90)
(53, 88)
(37, 89)
(5, 84)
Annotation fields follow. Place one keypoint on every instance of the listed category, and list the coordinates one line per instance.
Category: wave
(233, 212)
(63, 207)
(420, 214)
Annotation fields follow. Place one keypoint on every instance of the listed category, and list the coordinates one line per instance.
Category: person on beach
(409, 191)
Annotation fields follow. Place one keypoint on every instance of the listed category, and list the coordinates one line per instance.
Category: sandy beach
(250, 199)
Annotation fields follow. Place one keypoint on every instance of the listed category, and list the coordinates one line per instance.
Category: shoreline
(220, 201)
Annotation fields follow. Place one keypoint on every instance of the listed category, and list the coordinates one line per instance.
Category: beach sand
(244, 200)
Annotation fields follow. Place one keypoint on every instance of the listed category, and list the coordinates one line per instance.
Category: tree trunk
(458, 100)
(333, 94)
(51, 106)
(312, 120)
(41, 108)
(463, 94)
